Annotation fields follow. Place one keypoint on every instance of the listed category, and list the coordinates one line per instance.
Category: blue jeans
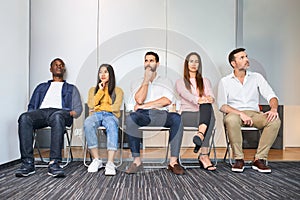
(109, 121)
(154, 118)
(57, 119)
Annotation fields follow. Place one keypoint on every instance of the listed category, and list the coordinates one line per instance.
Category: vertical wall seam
(97, 32)
(239, 23)
(166, 37)
(29, 51)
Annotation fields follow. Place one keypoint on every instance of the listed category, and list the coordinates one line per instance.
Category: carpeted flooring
(282, 183)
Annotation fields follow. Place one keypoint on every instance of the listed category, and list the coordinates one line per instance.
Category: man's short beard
(59, 75)
(153, 69)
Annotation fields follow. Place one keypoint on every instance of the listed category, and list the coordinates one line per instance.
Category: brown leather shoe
(238, 165)
(177, 169)
(133, 169)
(260, 166)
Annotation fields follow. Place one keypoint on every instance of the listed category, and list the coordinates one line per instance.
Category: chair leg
(36, 143)
(227, 152)
(167, 153)
(121, 147)
(69, 142)
(70, 154)
(213, 146)
(69, 139)
(163, 163)
(84, 154)
(85, 151)
(40, 154)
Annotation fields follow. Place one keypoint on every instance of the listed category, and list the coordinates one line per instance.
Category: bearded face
(151, 63)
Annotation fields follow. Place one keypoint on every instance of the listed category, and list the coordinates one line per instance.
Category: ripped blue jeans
(109, 121)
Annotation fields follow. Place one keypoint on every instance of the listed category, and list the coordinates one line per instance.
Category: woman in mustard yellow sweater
(104, 102)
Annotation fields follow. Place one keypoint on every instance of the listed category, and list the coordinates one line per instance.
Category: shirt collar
(248, 73)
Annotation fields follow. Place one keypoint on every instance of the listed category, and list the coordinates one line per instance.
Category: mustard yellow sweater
(101, 101)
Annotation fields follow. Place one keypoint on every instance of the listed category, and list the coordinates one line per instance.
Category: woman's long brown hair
(186, 74)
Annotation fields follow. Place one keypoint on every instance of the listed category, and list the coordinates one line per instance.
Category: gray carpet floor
(282, 183)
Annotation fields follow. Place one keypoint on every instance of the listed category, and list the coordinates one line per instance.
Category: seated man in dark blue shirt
(54, 103)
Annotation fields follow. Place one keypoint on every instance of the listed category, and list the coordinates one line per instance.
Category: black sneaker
(27, 168)
(55, 170)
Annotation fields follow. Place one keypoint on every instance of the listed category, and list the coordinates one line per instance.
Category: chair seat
(154, 128)
(247, 128)
(190, 128)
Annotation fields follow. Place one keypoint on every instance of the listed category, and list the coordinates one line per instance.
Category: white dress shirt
(158, 88)
(244, 96)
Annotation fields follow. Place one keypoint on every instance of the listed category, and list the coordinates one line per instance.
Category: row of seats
(156, 163)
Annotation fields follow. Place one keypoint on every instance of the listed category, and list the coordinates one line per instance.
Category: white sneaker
(95, 165)
(110, 169)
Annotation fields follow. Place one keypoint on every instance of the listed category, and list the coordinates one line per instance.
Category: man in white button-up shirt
(238, 98)
(153, 95)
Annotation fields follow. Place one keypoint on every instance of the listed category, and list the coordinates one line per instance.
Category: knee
(131, 119)
(24, 118)
(177, 122)
(206, 106)
(88, 122)
(276, 123)
(176, 118)
(57, 116)
(232, 119)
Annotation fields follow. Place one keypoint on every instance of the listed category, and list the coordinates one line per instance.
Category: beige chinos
(233, 125)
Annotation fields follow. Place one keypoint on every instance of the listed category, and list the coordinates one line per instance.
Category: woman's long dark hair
(111, 81)
(186, 74)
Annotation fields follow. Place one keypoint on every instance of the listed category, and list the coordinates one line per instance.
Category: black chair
(190, 123)
(45, 161)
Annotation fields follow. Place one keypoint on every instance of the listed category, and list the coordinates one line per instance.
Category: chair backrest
(86, 110)
(154, 128)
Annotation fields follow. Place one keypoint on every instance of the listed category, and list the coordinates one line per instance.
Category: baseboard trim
(11, 163)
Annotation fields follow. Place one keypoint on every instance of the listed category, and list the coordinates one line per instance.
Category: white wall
(195, 26)
(14, 51)
(65, 29)
(271, 30)
(271, 36)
